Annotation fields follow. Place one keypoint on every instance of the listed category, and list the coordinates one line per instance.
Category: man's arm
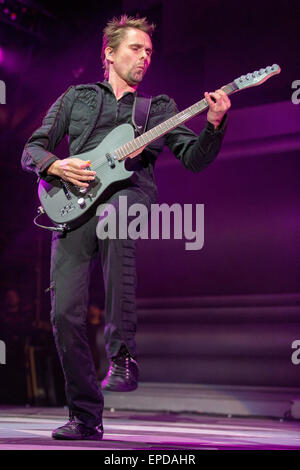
(37, 155)
(197, 152)
(38, 152)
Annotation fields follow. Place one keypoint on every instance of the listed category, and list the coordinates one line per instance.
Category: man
(88, 113)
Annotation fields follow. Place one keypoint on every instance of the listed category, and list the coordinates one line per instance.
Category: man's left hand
(218, 103)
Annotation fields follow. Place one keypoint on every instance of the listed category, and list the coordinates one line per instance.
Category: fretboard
(166, 126)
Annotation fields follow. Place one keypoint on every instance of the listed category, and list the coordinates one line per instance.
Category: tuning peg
(257, 77)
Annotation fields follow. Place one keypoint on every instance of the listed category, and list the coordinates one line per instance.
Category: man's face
(133, 56)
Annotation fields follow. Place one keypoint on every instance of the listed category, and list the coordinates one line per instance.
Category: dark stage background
(228, 313)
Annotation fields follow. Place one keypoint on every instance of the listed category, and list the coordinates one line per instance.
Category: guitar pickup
(66, 191)
(110, 160)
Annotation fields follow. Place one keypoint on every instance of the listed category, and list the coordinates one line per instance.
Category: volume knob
(81, 202)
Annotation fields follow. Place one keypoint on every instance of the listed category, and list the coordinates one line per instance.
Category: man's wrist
(213, 123)
(211, 126)
(220, 126)
(216, 123)
(51, 169)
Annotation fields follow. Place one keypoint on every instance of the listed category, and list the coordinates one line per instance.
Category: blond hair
(114, 33)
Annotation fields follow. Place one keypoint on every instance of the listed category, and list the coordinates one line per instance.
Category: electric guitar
(68, 206)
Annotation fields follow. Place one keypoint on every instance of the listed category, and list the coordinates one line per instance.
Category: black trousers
(72, 256)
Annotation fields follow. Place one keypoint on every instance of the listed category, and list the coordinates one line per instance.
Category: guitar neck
(156, 132)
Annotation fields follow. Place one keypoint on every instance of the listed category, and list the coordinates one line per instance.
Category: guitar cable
(62, 228)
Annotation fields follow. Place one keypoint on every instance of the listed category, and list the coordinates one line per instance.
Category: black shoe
(123, 374)
(77, 431)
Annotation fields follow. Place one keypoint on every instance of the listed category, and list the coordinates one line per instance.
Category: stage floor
(30, 429)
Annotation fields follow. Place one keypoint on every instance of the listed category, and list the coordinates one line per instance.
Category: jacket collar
(108, 86)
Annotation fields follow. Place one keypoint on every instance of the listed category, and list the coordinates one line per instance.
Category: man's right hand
(72, 170)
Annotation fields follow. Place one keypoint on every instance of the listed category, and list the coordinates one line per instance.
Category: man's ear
(109, 54)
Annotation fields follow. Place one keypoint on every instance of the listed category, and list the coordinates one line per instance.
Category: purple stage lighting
(10, 60)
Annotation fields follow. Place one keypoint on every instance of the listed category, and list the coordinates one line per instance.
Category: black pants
(71, 259)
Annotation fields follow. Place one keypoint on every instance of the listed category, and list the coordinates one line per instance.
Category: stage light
(1, 55)
(26, 15)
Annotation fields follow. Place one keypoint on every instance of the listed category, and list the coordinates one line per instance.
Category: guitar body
(71, 205)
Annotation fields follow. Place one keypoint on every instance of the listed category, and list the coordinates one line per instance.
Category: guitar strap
(140, 113)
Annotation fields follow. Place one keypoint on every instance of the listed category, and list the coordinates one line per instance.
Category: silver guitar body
(69, 205)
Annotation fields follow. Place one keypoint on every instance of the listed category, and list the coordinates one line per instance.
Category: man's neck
(120, 86)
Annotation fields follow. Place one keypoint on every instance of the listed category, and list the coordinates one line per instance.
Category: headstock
(257, 77)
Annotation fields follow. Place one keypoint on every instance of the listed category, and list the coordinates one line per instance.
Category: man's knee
(68, 305)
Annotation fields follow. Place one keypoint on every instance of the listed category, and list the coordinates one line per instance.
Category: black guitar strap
(140, 113)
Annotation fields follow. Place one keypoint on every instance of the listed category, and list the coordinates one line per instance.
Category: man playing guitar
(87, 113)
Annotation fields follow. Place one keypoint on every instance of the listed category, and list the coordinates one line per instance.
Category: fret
(154, 132)
(141, 139)
(131, 146)
(121, 152)
(136, 143)
(125, 153)
(127, 148)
